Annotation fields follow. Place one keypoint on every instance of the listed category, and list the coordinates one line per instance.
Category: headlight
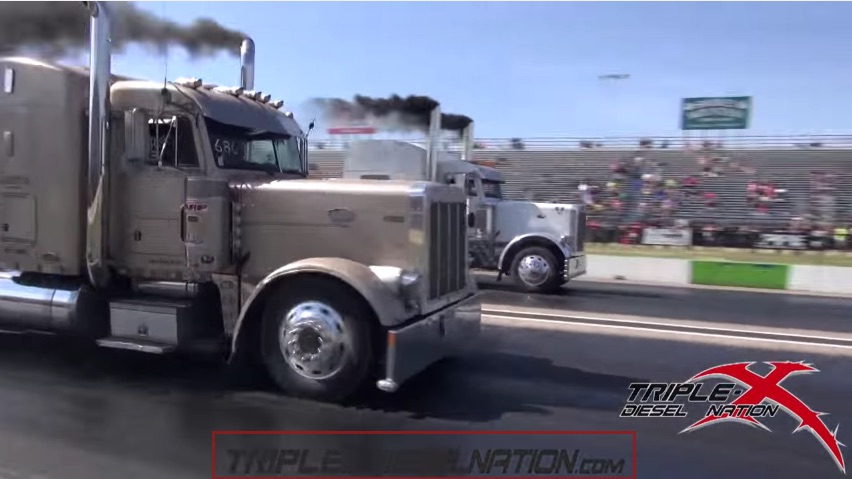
(402, 282)
(409, 284)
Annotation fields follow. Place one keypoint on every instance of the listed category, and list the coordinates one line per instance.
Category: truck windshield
(238, 148)
(492, 189)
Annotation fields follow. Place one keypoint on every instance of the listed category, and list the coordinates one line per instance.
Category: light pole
(611, 98)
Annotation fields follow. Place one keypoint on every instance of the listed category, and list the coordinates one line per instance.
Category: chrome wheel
(314, 340)
(533, 270)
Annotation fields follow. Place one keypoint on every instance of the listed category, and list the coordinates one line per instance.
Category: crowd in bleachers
(707, 184)
(640, 188)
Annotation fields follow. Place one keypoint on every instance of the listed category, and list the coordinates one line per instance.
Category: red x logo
(768, 388)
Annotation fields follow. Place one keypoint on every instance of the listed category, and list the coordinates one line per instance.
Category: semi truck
(539, 245)
(177, 217)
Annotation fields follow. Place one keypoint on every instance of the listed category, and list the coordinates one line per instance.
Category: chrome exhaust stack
(433, 143)
(97, 180)
(467, 143)
(247, 64)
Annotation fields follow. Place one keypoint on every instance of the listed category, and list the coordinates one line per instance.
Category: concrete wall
(802, 278)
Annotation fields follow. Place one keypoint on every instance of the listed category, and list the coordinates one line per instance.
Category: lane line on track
(640, 326)
(575, 318)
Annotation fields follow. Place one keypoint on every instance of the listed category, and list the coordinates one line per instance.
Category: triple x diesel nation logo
(742, 396)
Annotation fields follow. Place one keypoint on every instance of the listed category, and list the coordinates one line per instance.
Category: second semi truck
(539, 245)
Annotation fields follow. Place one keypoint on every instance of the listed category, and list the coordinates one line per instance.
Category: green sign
(715, 113)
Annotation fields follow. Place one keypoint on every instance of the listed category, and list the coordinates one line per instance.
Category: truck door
(154, 193)
(481, 242)
(476, 203)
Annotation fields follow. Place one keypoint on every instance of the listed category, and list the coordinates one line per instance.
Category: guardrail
(691, 142)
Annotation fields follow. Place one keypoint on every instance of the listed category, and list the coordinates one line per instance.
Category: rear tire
(317, 339)
(536, 270)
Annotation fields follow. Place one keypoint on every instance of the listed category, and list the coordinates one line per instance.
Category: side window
(173, 142)
(262, 152)
(187, 153)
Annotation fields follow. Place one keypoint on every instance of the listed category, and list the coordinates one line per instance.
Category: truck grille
(447, 248)
(581, 231)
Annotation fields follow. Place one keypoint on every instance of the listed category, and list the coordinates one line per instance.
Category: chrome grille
(581, 231)
(447, 248)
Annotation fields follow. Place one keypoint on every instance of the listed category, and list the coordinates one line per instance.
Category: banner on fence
(782, 241)
(715, 113)
(666, 237)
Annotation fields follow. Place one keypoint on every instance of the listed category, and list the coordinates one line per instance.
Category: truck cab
(166, 217)
(539, 245)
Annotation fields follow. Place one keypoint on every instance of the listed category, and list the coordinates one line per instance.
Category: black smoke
(394, 112)
(57, 29)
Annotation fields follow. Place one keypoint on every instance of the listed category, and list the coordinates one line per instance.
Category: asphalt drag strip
(80, 413)
(684, 329)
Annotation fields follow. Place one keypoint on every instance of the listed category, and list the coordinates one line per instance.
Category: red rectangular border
(632, 434)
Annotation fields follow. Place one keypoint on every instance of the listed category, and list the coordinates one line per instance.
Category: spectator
(586, 193)
(667, 207)
(841, 237)
(616, 204)
(706, 168)
(752, 193)
(710, 200)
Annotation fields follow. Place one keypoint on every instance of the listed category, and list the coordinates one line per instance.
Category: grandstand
(552, 172)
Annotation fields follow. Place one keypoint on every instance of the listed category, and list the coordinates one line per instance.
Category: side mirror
(471, 220)
(137, 135)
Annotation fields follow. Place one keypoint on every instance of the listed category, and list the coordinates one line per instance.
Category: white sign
(667, 237)
(782, 241)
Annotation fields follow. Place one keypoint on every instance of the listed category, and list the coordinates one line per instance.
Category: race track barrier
(674, 272)
(741, 275)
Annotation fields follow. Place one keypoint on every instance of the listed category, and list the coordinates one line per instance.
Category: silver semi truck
(168, 217)
(540, 246)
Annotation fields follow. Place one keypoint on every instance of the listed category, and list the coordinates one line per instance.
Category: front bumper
(415, 346)
(574, 266)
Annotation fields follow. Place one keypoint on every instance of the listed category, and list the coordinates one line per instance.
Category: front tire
(316, 339)
(536, 270)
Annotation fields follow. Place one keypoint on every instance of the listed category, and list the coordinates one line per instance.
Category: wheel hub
(533, 270)
(314, 340)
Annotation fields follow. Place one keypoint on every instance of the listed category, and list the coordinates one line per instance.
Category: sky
(531, 69)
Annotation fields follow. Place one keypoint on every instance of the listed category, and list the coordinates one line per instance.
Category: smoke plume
(56, 29)
(392, 113)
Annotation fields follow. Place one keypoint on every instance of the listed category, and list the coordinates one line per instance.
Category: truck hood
(515, 218)
(288, 220)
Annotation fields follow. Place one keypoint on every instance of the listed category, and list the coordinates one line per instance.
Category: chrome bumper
(414, 347)
(574, 266)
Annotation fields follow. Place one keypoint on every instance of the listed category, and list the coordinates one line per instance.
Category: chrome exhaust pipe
(247, 64)
(433, 143)
(97, 184)
(467, 146)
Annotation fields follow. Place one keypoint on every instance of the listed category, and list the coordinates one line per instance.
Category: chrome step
(141, 346)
